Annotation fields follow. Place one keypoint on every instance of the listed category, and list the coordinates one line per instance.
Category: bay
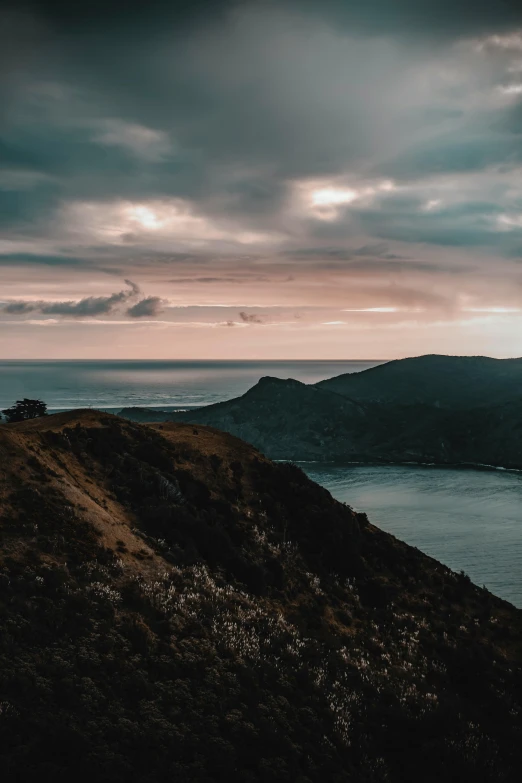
(471, 520)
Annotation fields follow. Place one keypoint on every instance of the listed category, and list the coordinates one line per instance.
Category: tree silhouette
(25, 409)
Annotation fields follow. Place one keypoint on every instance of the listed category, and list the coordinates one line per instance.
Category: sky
(267, 180)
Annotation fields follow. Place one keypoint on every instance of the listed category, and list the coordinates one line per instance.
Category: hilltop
(175, 606)
(290, 420)
(457, 382)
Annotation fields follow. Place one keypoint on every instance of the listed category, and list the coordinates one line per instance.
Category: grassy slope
(174, 606)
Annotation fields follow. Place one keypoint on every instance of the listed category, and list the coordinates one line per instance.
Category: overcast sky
(292, 179)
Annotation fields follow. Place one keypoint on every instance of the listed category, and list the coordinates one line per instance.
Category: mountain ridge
(434, 379)
(351, 418)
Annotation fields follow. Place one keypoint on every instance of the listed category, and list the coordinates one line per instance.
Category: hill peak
(434, 379)
(271, 380)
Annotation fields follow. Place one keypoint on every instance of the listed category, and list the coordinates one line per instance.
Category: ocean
(112, 385)
(471, 520)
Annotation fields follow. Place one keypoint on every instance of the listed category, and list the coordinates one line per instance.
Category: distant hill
(445, 381)
(176, 607)
(289, 420)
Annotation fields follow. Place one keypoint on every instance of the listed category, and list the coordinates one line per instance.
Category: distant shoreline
(479, 466)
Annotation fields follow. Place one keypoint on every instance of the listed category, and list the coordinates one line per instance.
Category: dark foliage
(277, 636)
(25, 409)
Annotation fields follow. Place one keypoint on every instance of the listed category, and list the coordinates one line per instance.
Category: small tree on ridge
(25, 409)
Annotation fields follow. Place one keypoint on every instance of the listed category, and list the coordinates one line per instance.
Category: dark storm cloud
(429, 18)
(25, 209)
(226, 104)
(90, 14)
(19, 308)
(449, 154)
(250, 318)
(89, 306)
(150, 306)
(79, 167)
(208, 108)
(16, 259)
(469, 224)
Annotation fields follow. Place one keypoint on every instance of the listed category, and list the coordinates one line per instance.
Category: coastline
(404, 463)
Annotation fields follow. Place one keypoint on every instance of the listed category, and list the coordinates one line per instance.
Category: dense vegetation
(176, 607)
(25, 409)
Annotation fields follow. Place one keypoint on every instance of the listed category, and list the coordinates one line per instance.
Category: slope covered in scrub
(174, 606)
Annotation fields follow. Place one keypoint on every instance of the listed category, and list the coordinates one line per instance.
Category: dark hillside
(286, 418)
(446, 381)
(289, 420)
(175, 607)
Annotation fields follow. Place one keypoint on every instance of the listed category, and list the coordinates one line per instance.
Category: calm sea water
(467, 519)
(111, 385)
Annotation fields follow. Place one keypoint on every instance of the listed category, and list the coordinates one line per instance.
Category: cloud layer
(316, 159)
